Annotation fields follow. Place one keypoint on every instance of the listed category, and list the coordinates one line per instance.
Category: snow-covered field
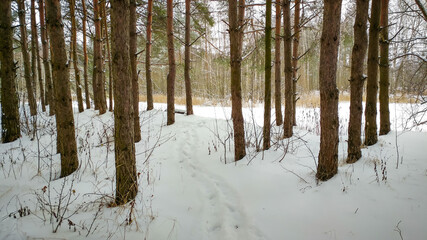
(190, 188)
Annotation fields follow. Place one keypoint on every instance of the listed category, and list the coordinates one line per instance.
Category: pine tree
(289, 102)
(384, 70)
(267, 94)
(98, 71)
(148, 56)
(188, 97)
(277, 69)
(172, 69)
(37, 71)
(85, 61)
(133, 67)
(295, 57)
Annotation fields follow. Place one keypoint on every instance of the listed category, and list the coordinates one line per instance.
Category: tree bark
(126, 179)
(277, 69)
(188, 97)
(75, 59)
(9, 97)
(98, 80)
(384, 70)
(37, 70)
(372, 85)
(107, 49)
(63, 103)
(357, 80)
(172, 70)
(85, 63)
(236, 24)
(295, 56)
(329, 124)
(267, 93)
(24, 50)
(133, 67)
(289, 102)
(46, 64)
(148, 56)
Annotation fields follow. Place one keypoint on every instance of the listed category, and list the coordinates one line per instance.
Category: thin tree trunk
(188, 97)
(236, 21)
(47, 68)
(171, 74)
(267, 94)
(277, 69)
(24, 50)
(372, 85)
(384, 71)
(9, 97)
(148, 56)
(75, 59)
(61, 78)
(35, 43)
(85, 63)
(288, 123)
(126, 179)
(133, 67)
(295, 56)
(107, 49)
(357, 80)
(33, 49)
(329, 124)
(98, 82)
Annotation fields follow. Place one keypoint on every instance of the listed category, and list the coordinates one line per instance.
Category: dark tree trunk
(277, 69)
(98, 79)
(372, 85)
(9, 97)
(357, 79)
(107, 49)
(126, 180)
(188, 98)
(61, 77)
(384, 71)
(267, 93)
(148, 56)
(133, 67)
(46, 64)
(33, 49)
(171, 74)
(36, 57)
(289, 100)
(24, 49)
(236, 18)
(295, 56)
(75, 59)
(85, 63)
(329, 124)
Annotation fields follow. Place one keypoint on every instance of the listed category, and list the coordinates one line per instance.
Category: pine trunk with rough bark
(85, 63)
(172, 68)
(277, 69)
(34, 49)
(75, 59)
(35, 44)
(329, 124)
(133, 67)
(61, 77)
(295, 57)
(187, 61)
(126, 179)
(236, 17)
(26, 58)
(267, 92)
(289, 100)
(107, 50)
(371, 136)
(148, 56)
(384, 70)
(357, 80)
(98, 78)
(9, 97)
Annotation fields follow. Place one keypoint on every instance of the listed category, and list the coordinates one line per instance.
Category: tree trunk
(148, 56)
(188, 98)
(37, 70)
(107, 49)
(46, 64)
(133, 67)
(126, 179)
(384, 71)
(288, 123)
(9, 97)
(357, 79)
(329, 124)
(98, 80)
(24, 50)
(277, 69)
(267, 94)
(295, 56)
(236, 18)
(33, 49)
(63, 102)
(372, 85)
(75, 59)
(171, 74)
(85, 63)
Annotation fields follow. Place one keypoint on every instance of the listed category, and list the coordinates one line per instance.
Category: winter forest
(196, 119)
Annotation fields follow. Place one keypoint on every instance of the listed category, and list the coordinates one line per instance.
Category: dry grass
(157, 98)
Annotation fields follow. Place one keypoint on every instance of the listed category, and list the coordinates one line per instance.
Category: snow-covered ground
(190, 188)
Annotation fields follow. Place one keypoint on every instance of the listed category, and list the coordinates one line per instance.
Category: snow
(190, 188)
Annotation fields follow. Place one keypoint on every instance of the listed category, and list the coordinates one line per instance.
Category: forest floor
(190, 188)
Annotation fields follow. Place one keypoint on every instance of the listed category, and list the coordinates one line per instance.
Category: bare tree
(188, 97)
(172, 69)
(98, 79)
(277, 69)
(295, 57)
(267, 94)
(289, 95)
(36, 66)
(85, 63)
(133, 67)
(384, 70)
(148, 56)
